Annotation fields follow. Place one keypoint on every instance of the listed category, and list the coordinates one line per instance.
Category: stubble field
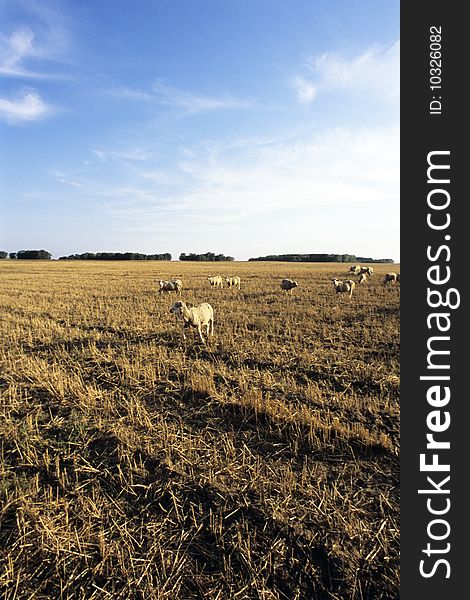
(134, 465)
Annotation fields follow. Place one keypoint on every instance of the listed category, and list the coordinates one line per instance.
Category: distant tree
(206, 257)
(116, 256)
(375, 260)
(33, 254)
(12, 255)
(3, 254)
(319, 258)
(222, 257)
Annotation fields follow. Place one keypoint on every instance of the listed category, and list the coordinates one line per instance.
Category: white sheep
(216, 281)
(390, 278)
(366, 270)
(196, 316)
(362, 278)
(175, 285)
(233, 281)
(347, 285)
(288, 285)
(354, 270)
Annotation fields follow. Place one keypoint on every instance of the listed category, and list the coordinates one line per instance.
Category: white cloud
(14, 50)
(34, 39)
(28, 106)
(27, 51)
(340, 167)
(304, 90)
(374, 72)
(27, 46)
(281, 185)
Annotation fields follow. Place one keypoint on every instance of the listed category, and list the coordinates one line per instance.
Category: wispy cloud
(338, 167)
(14, 50)
(26, 107)
(28, 50)
(126, 93)
(179, 102)
(192, 103)
(127, 155)
(33, 41)
(62, 177)
(332, 168)
(374, 72)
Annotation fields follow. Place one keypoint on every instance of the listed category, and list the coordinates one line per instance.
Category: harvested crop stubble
(263, 465)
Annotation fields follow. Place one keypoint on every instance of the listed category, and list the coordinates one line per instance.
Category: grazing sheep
(355, 269)
(347, 285)
(288, 285)
(390, 278)
(398, 277)
(196, 316)
(175, 285)
(362, 278)
(366, 270)
(233, 281)
(216, 281)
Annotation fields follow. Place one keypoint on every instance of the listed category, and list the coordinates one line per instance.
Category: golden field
(134, 465)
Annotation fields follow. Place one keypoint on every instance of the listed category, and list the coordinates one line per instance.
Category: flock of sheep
(203, 315)
(363, 272)
(348, 285)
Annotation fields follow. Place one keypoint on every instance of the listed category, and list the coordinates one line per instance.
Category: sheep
(175, 285)
(196, 316)
(216, 281)
(354, 270)
(288, 285)
(390, 278)
(233, 281)
(362, 278)
(366, 270)
(398, 277)
(347, 285)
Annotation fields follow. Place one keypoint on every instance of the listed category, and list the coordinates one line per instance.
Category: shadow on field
(230, 532)
(225, 534)
(388, 310)
(119, 339)
(332, 381)
(260, 430)
(229, 539)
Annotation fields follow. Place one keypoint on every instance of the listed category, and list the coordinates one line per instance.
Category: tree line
(116, 256)
(206, 257)
(44, 254)
(192, 256)
(26, 254)
(321, 258)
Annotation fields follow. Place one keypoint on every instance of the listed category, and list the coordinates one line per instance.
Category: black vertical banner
(435, 427)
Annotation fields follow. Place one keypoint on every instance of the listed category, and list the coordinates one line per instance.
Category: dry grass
(138, 466)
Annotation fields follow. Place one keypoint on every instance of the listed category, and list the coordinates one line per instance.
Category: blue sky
(247, 127)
